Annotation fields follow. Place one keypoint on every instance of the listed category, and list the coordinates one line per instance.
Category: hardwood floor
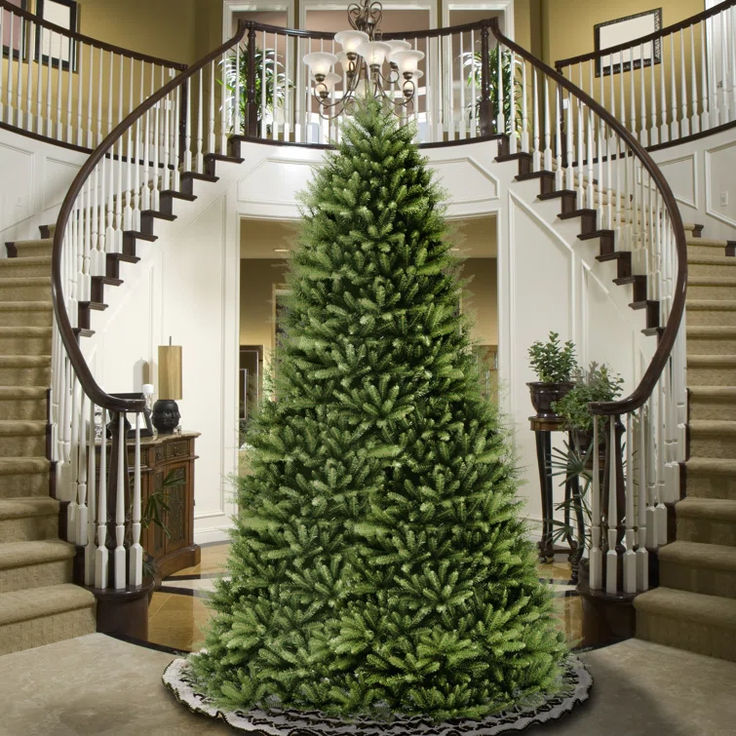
(178, 610)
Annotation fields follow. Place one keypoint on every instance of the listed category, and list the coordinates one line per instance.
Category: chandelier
(386, 69)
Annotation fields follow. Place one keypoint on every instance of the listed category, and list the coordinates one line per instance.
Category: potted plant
(598, 383)
(554, 362)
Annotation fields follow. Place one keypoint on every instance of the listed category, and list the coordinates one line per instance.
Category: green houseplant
(271, 84)
(553, 362)
(598, 383)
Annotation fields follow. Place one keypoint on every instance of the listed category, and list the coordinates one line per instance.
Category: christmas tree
(378, 563)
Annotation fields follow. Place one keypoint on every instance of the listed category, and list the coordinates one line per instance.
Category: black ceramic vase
(165, 416)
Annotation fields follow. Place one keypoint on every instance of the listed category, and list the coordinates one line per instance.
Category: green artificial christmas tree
(378, 565)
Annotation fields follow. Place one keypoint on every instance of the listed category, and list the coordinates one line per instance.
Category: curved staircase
(38, 602)
(695, 606)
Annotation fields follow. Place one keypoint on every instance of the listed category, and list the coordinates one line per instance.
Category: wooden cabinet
(167, 463)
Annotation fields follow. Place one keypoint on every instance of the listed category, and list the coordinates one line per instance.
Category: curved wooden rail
(89, 385)
(22, 13)
(646, 385)
(662, 32)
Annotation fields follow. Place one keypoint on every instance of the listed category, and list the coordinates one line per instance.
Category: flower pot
(545, 394)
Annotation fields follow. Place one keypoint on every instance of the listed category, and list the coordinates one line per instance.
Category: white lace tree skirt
(574, 689)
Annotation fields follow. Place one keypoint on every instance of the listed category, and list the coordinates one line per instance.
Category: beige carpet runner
(695, 606)
(38, 602)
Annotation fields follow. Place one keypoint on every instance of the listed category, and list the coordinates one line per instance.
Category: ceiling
(473, 237)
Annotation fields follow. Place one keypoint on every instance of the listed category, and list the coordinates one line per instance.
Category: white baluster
(724, 114)
(547, 135)
(704, 95)
(71, 509)
(82, 511)
(90, 74)
(119, 552)
(176, 155)
(188, 127)
(630, 554)
(101, 554)
(536, 157)
(3, 26)
(524, 115)
(211, 117)
(684, 115)
(694, 119)
(135, 577)
(596, 560)
(29, 86)
(199, 106)
(462, 130)
(569, 173)
(612, 516)
(500, 118)
(642, 554)
(660, 510)
(674, 128)
(559, 173)
(59, 106)
(474, 94)
(9, 86)
(91, 549)
(632, 98)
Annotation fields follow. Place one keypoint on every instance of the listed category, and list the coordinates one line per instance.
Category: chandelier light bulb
(394, 47)
(320, 63)
(407, 61)
(374, 52)
(351, 41)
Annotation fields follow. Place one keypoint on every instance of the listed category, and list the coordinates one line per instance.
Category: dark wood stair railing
(584, 157)
(73, 110)
(128, 182)
(676, 97)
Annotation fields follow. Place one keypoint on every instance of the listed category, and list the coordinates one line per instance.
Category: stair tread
(711, 260)
(709, 242)
(26, 306)
(25, 280)
(33, 241)
(711, 330)
(715, 359)
(24, 361)
(12, 427)
(29, 331)
(24, 605)
(716, 465)
(33, 552)
(715, 392)
(713, 425)
(714, 509)
(22, 465)
(21, 507)
(27, 261)
(712, 304)
(710, 609)
(699, 554)
(23, 392)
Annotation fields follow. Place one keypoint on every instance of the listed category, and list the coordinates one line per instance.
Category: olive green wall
(567, 25)
(177, 30)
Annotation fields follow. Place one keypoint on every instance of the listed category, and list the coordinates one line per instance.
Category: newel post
(251, 109)
(484, 108)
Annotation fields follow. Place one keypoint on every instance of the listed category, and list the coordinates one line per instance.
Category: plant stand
(543, 428)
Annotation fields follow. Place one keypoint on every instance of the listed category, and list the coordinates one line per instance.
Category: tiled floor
(178, 611)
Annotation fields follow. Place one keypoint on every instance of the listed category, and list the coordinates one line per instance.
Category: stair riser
(23, 445)
(711, 346)
(25, 292)
(25, 376)
(712, 409)
(24, 485)
(711, 317)
(708, 531)
(14, 267)
(29, 528)
(715, 376)
(709, 581)
(19, 345)
(711, 269)
(23, 409)
(32, 251)
(706, 250)
(712, 445)
(683, 633)
(36, 576)
(47, 629)
(711, 291)
(25, 318)
(716, 485)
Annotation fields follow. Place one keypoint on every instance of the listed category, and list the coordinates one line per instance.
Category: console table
(543, 428)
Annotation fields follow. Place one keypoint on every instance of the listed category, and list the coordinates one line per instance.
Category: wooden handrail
(657, 364)
(393, 35)
(680, 25)
(87, 39)
(89, 385)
